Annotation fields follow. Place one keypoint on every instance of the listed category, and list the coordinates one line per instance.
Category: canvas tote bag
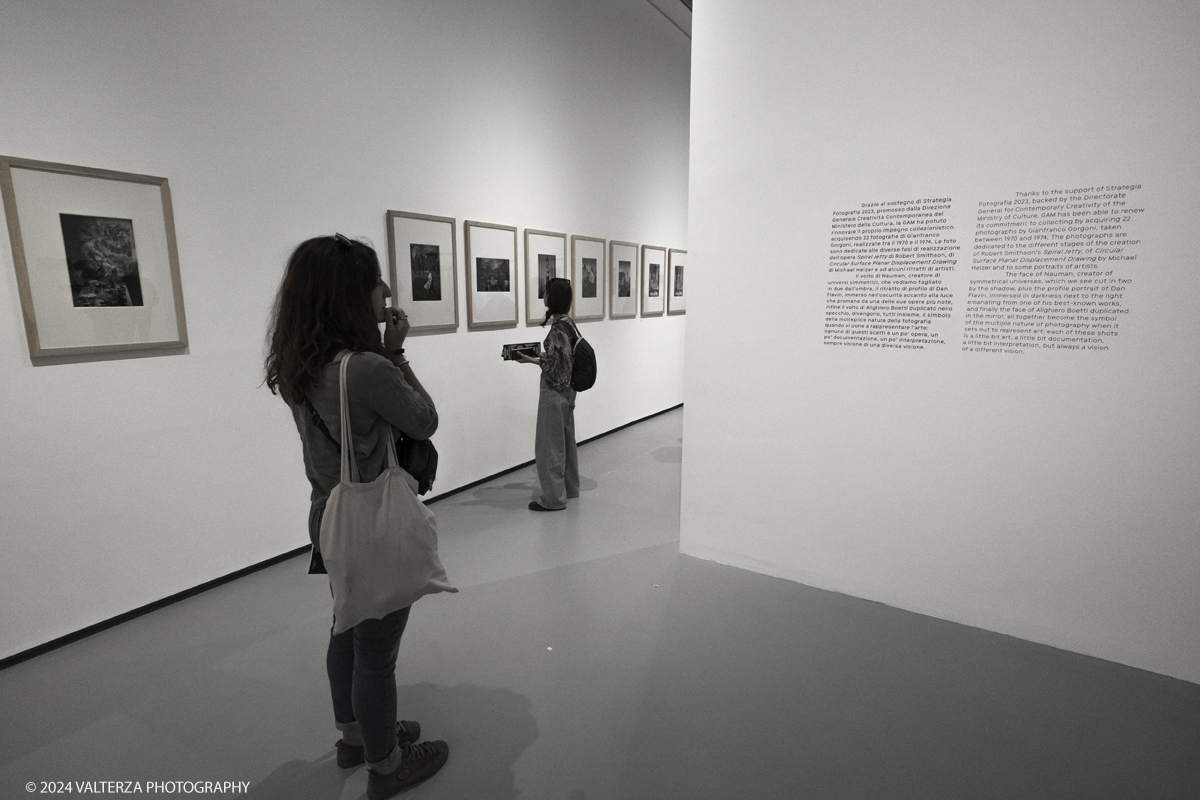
(378, 540)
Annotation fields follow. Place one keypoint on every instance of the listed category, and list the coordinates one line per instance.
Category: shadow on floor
(488, 729)
(668, 455)
(512, 496)
(508, 497)
(299, 779)
(765, 688)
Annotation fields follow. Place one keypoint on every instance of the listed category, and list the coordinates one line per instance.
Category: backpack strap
(574, 329)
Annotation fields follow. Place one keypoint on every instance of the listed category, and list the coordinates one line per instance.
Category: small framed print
(622, 280)
(423, 258)
(545, 258)
(676, 296)
(654, 275)
(491, 275)
(95, 256)
(587, 277)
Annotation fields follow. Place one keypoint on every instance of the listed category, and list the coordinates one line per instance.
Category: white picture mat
(675, 260)
(408, 231)
(537, 244)
(588, 307)
(492, 307)
(653, 306)
(623, 306)
(41, 197)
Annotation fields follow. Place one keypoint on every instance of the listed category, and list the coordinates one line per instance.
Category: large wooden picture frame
(491, 275)
(95, 256)
(676, 294)
(423, 261)
(654, 280)
(545, 258)
(588, 277)
(622, 280)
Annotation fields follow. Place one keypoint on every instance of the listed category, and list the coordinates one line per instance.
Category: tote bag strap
(349, 463)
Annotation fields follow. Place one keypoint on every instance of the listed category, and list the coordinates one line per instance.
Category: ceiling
(678, 11)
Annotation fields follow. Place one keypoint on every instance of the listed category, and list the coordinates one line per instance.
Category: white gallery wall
(1038, 472)
(127, 479)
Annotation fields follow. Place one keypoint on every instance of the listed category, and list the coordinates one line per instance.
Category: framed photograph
(622, 280)
(491, 275)
(95, 256)
(676, 296)
(654, 280)
(545, 258)
(588, 277)
(423, 260)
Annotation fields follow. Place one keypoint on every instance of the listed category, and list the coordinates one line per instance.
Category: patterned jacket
(557, 353)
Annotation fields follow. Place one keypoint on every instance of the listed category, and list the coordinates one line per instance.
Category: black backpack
(583, 363)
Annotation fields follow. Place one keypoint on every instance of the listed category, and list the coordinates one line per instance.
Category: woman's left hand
(395, 328)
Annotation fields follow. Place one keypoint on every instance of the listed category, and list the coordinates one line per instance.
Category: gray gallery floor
(585, 659)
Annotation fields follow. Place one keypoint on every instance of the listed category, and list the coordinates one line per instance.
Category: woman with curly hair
(330, 305)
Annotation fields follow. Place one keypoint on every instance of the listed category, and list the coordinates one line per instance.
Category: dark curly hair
(323, 306)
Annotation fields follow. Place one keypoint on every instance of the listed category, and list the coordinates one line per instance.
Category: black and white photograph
(101, 261)
(547, 263)
(545, 258)
(95, 259)
(492, 282)
(491, 275)
(423, 270)
(622, 283)
(908, 507)
(587, 274)
(425, 260)
(677, 298)
(587, 286)
(654, 280)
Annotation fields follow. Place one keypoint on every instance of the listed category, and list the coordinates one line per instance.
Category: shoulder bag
(378, 540)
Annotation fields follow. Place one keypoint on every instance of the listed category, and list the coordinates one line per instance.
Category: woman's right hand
(395, 328)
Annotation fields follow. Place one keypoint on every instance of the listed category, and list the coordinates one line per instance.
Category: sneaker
(349, 755)
(419, 763)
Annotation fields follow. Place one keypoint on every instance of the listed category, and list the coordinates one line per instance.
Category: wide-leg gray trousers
(554, 446)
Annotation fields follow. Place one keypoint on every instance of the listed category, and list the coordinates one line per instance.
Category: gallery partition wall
(129, 475)
(944, 344)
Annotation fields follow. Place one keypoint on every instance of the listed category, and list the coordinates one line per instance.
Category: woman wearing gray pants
(554, 441)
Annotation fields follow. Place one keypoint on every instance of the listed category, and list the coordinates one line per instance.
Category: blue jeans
(362, 678)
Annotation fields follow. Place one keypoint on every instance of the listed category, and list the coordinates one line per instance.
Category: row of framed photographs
(98, 269)
(620, 279)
